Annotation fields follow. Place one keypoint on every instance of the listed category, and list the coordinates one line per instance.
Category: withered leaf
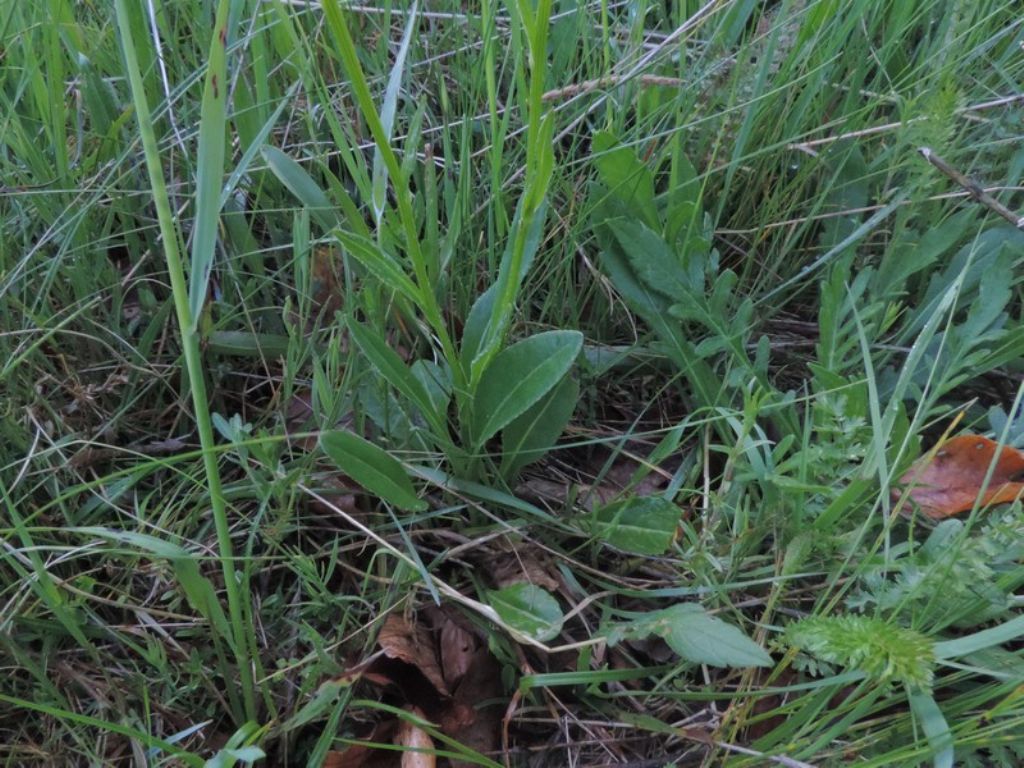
(475, 718)
(950, 481)
(457, 649)
(401, 639)
(417, 748)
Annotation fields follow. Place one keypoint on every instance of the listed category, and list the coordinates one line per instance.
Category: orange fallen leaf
(950, 481)
(418, 745)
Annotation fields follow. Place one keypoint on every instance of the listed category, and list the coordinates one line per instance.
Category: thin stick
(808, 146)
(974, 189)
(610, 82)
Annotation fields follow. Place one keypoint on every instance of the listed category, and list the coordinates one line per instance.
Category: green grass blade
(387, 115)
(106, 725)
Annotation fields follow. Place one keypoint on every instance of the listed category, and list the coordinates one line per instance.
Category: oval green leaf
(644, 524)
(373, 468)
(697, 636)
(529, 610)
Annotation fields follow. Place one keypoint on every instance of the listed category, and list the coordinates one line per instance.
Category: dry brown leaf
(400, 639)
(457, 647)
(327, 289)
(337, 493)
(475, 718)
(950, 481)
(524, 565)
(417, 748)
(444, 674)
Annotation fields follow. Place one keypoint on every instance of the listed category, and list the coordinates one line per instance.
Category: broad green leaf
(301, 184)
(520, 376)
(390, 366)
(528, 609)
(210, 164)
(643, 524)
(654, 309)
(625, 177)
(379, 264)
(697, 636)
(227, 758)
(152, 544)
(373, 468)
(532, 435)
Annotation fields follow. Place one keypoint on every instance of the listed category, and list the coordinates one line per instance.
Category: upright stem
(193, 362)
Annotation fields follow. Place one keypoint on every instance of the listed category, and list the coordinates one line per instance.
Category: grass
(654, 301)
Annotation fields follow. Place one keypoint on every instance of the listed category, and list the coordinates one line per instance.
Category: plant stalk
(193, 361)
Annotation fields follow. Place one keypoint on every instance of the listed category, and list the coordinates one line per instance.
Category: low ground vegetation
(524, 383)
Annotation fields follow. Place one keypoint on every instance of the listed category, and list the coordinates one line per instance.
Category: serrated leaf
(698, 636)
(625, 177)
(653, 308)
(654, 262)
(643, 524)
(373, 468)
(519, 376)
(528, 609)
